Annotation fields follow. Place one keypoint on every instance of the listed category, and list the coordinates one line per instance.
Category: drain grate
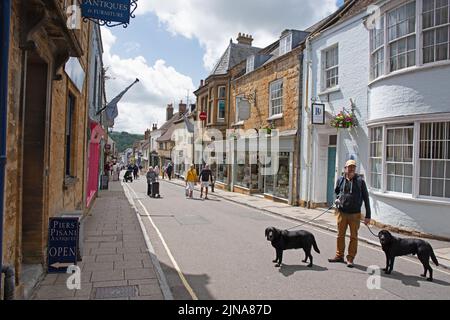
(116, 292)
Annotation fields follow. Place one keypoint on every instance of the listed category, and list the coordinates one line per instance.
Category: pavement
(327, 221)
(118, 261)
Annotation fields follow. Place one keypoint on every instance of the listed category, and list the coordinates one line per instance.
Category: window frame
(419, 36)
(284, 47)
(416, 125)
(271, 100)
(325, 70)
(69, 136)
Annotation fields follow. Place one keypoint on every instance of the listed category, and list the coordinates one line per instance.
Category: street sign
(63, 239)
(107, 10)
(203, 116)
(318, 113)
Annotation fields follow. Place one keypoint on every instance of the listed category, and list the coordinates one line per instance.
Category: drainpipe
(4, 37)
(10, 281)
(308, 164)
(299, 125)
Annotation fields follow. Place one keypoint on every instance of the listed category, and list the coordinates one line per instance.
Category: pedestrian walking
(351, 190)
(205, 179)
(169, 170)
(151, 178)
(135, 172)
(191, 180)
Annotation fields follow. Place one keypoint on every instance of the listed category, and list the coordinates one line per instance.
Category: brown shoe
(336, 260)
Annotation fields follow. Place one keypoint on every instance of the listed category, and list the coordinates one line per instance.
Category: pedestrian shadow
(289, 270)
(407, 280)
(213, 200)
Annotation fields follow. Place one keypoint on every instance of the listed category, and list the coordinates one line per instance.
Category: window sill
(238, 124)
(410, 70)
(398, 196)
(275, 117)
(330, 90)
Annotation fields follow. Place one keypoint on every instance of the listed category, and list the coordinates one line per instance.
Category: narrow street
(221, 250)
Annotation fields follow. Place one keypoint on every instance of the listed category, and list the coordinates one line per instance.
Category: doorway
(33, 181)
(331, 175)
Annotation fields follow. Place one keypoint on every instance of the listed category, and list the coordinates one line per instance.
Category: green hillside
(125, 140)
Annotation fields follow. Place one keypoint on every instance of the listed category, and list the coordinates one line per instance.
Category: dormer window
(286, 44)
(250, 64)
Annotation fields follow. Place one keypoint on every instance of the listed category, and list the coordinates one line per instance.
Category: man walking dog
(351, 190)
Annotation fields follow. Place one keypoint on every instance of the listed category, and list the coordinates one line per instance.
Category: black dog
(395, 247)
(285, 240)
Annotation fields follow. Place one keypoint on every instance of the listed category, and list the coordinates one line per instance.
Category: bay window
(414, 33)
(396, 170)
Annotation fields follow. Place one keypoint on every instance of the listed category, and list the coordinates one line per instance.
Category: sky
(172, 44)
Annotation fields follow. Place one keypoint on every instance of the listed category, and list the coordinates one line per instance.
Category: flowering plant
(344, 120)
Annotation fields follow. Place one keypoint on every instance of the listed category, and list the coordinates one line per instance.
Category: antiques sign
(63, 234)
(107, 10)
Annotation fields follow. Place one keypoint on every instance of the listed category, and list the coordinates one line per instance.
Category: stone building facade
(46, 130)
(268, 84)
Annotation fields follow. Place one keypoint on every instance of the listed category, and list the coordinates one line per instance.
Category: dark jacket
(355, 192)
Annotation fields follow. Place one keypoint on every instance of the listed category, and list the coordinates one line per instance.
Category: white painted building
(398, 77)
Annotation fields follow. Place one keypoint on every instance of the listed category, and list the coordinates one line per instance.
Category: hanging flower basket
(344, 120)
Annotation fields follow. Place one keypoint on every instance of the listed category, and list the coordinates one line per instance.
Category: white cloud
(214, 22)
(145, 103)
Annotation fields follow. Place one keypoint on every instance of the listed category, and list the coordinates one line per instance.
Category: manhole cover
(116, 292)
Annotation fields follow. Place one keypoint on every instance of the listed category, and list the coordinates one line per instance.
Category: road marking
(162, 278)
(169, 253)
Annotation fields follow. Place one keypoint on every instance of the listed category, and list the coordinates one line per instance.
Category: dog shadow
(289, 270)
(407, 280)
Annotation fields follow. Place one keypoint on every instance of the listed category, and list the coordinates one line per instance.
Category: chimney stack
(155, 127)
(169, 112)
(147, 134)
(245, 39)
(201, 83)
(182, 108)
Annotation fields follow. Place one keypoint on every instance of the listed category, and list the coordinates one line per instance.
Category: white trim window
(377, 50)
(434, 160)
(399, 159)
(413, 163)
(221, 94)
(286, 44)
(436, 30)
(250, 64)
(376, 157)
(331, 67)
(401, 26)
(276, 98)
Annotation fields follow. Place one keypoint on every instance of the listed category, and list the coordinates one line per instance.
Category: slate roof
(235, 54)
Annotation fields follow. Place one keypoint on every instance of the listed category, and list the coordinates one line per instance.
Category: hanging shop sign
(109, 13)
(318, 113)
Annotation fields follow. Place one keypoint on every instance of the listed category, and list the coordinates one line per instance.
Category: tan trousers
(343, 221)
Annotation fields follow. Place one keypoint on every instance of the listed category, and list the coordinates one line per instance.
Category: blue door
(331, 174)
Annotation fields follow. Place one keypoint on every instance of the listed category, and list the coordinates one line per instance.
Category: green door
(331, 174)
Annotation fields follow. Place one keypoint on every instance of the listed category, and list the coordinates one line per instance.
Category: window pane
(425, 185)
(408, 170)
(407, 185)
(438, 188)
(438, 169)
(447, 170)
(425, 168)
(399, 170)
(391, 168)
(447, 188)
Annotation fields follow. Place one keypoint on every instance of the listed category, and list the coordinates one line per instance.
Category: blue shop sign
(107, 10)
(63, 237)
